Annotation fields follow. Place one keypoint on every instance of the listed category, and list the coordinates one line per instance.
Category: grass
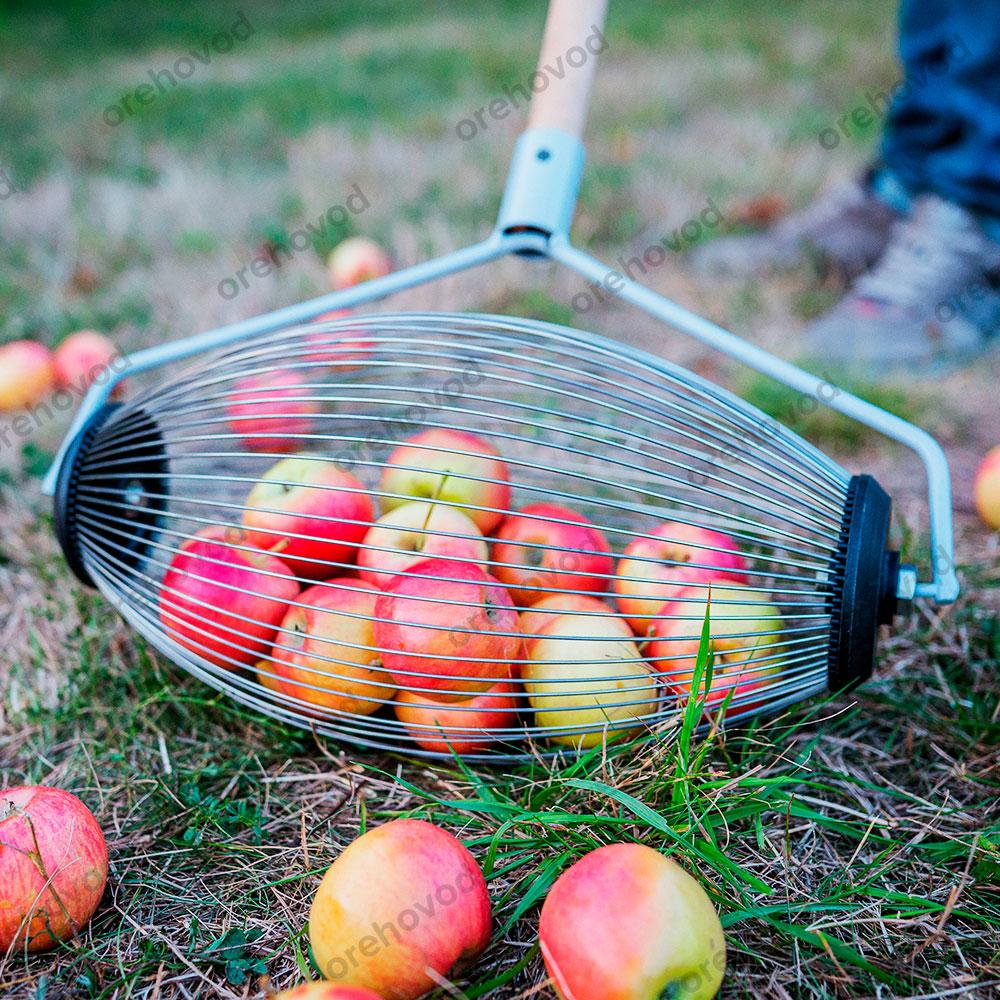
(852, 845)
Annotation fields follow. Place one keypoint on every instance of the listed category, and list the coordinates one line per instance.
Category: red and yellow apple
(325, 653)
(326, 991)
(342, 351)
(987, 488)
(27, 374)
(430, 466)
(53, 867)
(355, 260)
(448, 629)
(402, 901)
(270, 412)
(82, 358)
(745, 631)
(416, 532)
(654, 570)
(224, 602)
(310, 513)
(462, 727)
(658, 932)
(541, 614)
(549, 548)
(583, 672)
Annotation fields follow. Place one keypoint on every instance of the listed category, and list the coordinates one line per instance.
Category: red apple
(416, 532)
(340, 350)
(271, 411)
(431, 466)
(327, 991)
(224, 603)
(659, 933)
(745, 636)
(451, 621)
(987, 488)
(27, 374)
(403, 901)
(83, 358)
(310, 513)
(653, 571)
(355, 260)
(541, 614)
(462, 727)
(325, 652)
(545, 548)
(53, 867)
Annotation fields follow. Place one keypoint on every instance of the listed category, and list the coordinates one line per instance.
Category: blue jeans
(942, 134)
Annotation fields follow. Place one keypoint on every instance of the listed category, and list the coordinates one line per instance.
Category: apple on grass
(546, 547)
(654, 570)
(430, 466)
(659, 934)
(582, 672)
(27, 374)
(399, 909)
(415, 532)
(224, 602)
(83, 358)
(325, 652)
(745, 630)
(987, 488)
(449, 629)
(271, 411)
(326, 991)
(310, 513)
(462, 727)
(355, 260)
(53, 867)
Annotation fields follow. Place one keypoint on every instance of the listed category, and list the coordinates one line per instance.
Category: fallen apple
(325, 653)
(355, 260)
(403, 902)
(310, 513)
(462, 727)
(53, 867)
(658, 932)
(27, 374)
(582, 672)
(448, 629)
(546, 547)
(327, 991)
(987, 488)
(454, 467)
(653, 571)
(222, 601)
(83, 358)
(272, 411)
(745, 631)
(415, 532)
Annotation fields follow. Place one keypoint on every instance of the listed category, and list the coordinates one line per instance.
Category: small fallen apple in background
(83, 358)
(53, 867)
(415, 532)
(451, 466)
(987, 488)
(355, 260)
(547, 547)
(405, 898)
(311, 514)
(326, 991)
(27, 374)
(627, 923)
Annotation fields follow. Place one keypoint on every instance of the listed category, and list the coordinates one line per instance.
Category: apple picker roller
(661, 491)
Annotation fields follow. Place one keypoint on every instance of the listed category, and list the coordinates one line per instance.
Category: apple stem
(422, 541)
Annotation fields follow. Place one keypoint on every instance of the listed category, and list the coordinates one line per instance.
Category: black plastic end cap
(865, 574)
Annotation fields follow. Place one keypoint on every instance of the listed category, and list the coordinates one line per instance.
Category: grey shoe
(846, 231)
(932, 301)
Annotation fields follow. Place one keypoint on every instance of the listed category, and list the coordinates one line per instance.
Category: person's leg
(942, 133)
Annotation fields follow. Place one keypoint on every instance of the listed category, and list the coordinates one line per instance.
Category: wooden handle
(574, 37)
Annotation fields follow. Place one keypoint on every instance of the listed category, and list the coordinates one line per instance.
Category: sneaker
(932, 300)
(845, 231)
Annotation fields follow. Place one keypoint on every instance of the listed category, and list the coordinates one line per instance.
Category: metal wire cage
(457, 533)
